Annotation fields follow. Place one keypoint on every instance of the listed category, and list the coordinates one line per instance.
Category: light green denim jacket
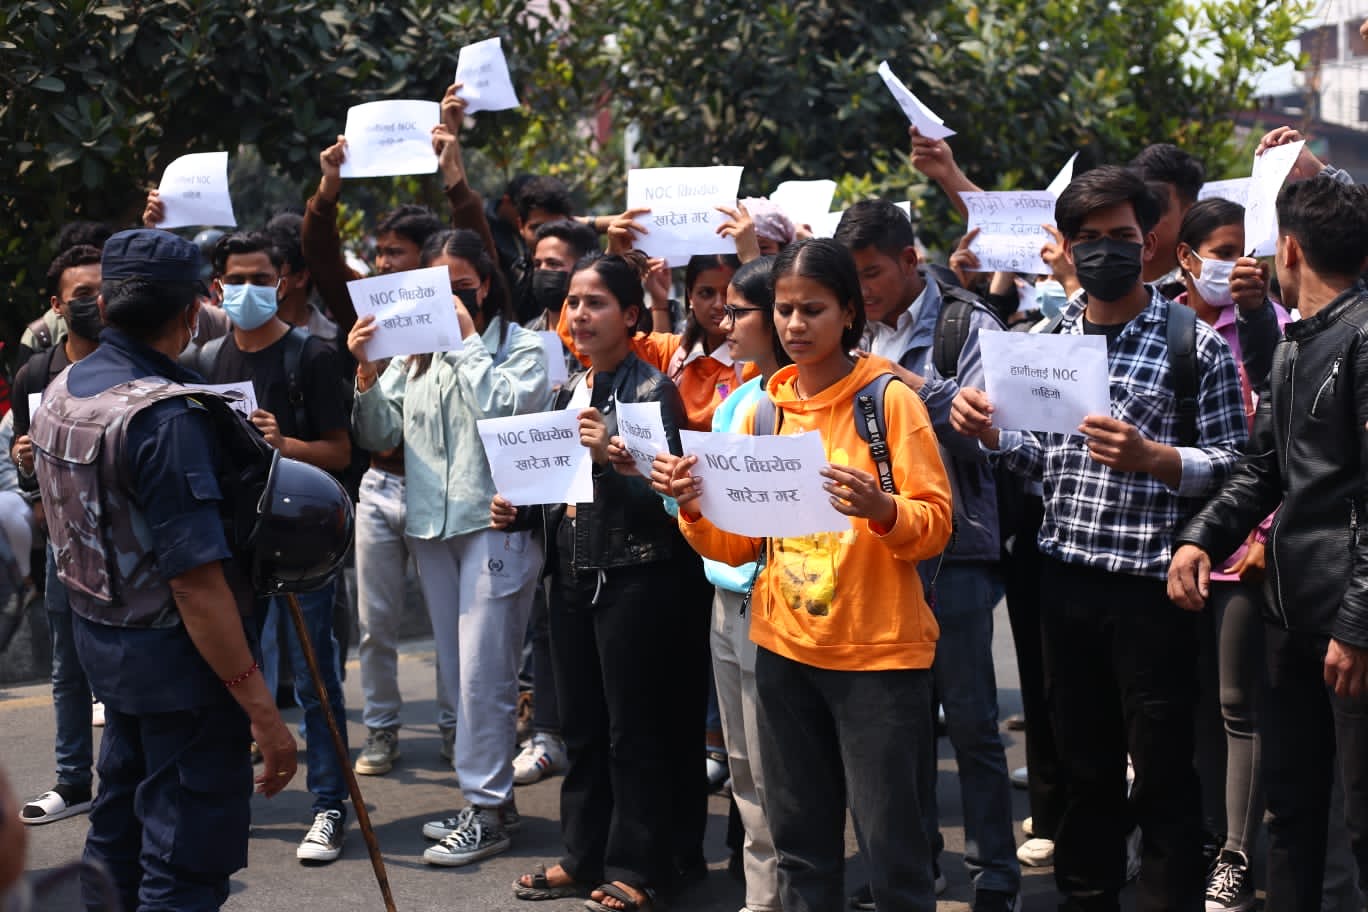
(448, 486)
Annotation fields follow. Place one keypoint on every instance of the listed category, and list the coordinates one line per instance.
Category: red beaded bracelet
(234, 682)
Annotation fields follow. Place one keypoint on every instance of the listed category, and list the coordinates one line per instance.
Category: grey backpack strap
(872, 426)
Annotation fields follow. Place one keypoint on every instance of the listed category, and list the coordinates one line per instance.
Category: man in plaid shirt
(1120, 658)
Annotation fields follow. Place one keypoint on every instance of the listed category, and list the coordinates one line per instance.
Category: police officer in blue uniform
(129, 468)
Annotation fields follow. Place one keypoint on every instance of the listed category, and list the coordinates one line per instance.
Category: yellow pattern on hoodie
(849, 601)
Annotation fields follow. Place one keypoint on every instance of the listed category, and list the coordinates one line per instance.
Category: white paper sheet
(766, 485)
(825, 226)
(1261, 211)
(248, 401)
(1010, 229)
(194, 191)
(1046, 383)
(414, 312)
(483, 70)
(538, 459)
(34, 400)
(684, 219)
(643, 432)
(387, 138)
(1236, 190)
(918, 114)
(553, 349)
(1064, 177)
(804, 201)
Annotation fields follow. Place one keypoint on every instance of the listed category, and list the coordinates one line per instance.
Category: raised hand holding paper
(194, 191)
(1236, 190)
(766, 485)
(1261, 210)
(413, 311)
(482, 71)
(805, 202)
(920, 116)
(1011, 230)
(538, 459)
(1046, 383)
(683, 203)
(387, 138)
(643, 432)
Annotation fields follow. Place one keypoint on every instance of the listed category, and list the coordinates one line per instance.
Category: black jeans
(832, 738)
(1306, 730)
(617, 675)
(1121, 675)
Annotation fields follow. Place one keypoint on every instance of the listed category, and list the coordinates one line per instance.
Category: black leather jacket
(1308, 451)
(626, 524)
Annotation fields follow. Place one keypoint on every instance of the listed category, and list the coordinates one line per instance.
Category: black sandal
(540, 889)
(649, 904)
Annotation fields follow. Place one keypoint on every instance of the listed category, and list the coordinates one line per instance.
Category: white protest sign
(386, 138)
(194, 191)
(643, 432)
(483, 72)
(1236, 190)
(825, 226)
(764, 485)
(683, 203)
(804, 201)
(1048, 383)
(538, 459)
(553, 349)
(414, 313)
(1261, 211)
(1011, 230)
(1063, 178)
(918, 114)
(246, 404)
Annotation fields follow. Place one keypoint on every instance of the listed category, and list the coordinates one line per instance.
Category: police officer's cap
(147, 253)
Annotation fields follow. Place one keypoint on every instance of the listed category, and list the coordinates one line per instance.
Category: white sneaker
(1036, 853)
(1020, 778)
(477, 835)
(323, 842)
(97, 714)
(544, 755)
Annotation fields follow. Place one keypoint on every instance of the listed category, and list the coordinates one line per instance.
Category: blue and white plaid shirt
(1125, 522)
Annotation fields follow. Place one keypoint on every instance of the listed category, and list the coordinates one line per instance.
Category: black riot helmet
(303, 529)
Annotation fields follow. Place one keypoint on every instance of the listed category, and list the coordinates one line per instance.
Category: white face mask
(1213, 283)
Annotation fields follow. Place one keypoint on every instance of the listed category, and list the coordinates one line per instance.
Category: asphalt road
(421, 787)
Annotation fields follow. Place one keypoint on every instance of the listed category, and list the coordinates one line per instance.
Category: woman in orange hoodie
(845, 635)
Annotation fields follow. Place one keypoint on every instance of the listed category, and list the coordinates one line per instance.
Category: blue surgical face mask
(1051, 298)
(249, 306)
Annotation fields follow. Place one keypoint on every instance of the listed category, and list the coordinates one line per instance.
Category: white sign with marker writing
(805, 202)
(538, 459)
(642, 432)
(1236, 190)
(764, 485)
(918, 114)
(241, 397)
(414, 313)
(1011, 229)
(387, 138)
(1047, 383)
(683, 220)
(1261, 207)
(194, 191)
(482, 71)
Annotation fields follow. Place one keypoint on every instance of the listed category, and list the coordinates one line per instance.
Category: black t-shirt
(319, 374)
(34, 377)
(1110, 330)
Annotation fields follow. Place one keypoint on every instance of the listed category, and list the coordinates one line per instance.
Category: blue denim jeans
(70, 689)
(326, 781)
(965, 595)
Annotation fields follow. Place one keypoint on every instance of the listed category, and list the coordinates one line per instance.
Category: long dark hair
(755, 282)
(693, 330)
(830, 264)
(623, 273)
(463, 244)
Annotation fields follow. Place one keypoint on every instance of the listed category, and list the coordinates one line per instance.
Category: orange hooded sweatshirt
(849, 601)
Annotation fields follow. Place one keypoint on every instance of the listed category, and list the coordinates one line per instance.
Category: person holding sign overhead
(477, 582)
(1121, 657)
(844, 633)
(615, 600)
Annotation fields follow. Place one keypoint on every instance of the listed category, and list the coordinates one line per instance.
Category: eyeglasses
(731, 313)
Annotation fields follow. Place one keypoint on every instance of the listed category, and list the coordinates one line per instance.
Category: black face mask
(549, 287)
(83, 318)
(1108, 269)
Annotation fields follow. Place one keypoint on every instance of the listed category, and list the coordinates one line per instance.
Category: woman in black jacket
(613, 616)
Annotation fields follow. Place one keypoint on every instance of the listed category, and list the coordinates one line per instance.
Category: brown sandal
(541, 889)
